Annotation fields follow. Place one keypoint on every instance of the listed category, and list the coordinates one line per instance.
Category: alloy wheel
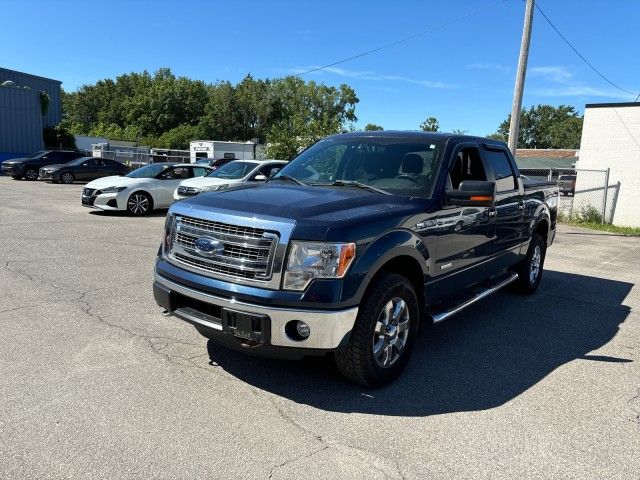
(391, 332)
(31, 175)
(67, 178)
(138, 204)
(536, 260)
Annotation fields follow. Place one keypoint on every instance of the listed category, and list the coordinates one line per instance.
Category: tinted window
(234, 170)
(499, 163)
(199, 171)
(467, 165)
(148, 171)
(404, 166)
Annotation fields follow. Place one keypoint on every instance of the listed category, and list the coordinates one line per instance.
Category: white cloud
(551, 72)
(579, 91)
(373, 76)
(488, 66)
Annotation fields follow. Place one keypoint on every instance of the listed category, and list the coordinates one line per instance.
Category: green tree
(546, 126)
(372, 127)
(430, 125)
(459, 131)
(305, 112)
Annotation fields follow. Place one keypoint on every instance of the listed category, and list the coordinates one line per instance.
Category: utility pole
(514, 127)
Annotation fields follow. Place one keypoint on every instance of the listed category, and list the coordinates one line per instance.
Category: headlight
(309, 260)
(213, 188)
(113, 189)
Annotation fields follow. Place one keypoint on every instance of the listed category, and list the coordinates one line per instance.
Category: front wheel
(530, 270)
(67, 178)
(139, 203)
(31, 174)
(383, 334)
(16, 177)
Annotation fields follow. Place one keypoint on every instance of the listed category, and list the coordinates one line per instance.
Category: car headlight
(213, 188)
(310, 260)
(113, 189)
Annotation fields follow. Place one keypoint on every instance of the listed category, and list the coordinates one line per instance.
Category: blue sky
(462, 73)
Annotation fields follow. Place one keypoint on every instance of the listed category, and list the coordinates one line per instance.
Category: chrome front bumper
(330, 329)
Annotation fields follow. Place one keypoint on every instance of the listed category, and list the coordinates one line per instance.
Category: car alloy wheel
(138, 204)
(391, 332)
(31, 174)
(536, 260)
(66, 178)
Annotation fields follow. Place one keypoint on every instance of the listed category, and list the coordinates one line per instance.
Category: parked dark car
(353, 245)
(83, 168)
(214, 163)
(567, 183)
(30, 166)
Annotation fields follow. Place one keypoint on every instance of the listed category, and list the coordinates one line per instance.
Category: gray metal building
(21, 121)
(40, 84)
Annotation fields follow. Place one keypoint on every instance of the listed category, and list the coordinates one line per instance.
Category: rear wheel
(383, 334)
(530, 270)
(31, 174)
(67, 177)
(139, 203)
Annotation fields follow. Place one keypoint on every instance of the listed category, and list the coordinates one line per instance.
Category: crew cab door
(509, 205)
(465, 234)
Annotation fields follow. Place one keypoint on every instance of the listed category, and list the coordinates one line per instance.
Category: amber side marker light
(480, 199)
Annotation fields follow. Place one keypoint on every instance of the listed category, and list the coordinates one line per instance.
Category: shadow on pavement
(480, 359)
(161, 212)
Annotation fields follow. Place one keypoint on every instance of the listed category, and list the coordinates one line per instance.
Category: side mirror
(273, 172)
(472, 193)
(260, 178)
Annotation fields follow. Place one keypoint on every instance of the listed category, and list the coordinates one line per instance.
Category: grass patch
(604, 227)
(589, 217)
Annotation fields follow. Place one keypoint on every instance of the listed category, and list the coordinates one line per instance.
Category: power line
(626, 127)
(582, 56)
(402, 40)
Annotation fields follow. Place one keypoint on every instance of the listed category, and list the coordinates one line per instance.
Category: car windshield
(37, 154)
(78, 161)
(404, 166)
(148, 171)
(234, 170)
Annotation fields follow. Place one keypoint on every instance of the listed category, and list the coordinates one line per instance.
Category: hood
(116, 181)
(13, 161)
(319, 212)
(200, 182)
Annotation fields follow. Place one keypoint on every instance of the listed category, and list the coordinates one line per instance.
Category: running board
(439, 317)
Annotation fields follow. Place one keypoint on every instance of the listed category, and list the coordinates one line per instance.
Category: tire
(530, 270)
(67, 178)
(139, 204)
(389, 302)
(16, 177)
(31, 174)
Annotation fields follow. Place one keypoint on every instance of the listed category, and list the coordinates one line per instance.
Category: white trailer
(216, 149)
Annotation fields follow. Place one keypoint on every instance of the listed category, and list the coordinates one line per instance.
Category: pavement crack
(305, 456)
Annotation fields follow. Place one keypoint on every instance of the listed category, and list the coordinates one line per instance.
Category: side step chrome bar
(439, 317)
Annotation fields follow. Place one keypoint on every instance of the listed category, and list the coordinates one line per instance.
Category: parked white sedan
(141, 191)
(229, 175)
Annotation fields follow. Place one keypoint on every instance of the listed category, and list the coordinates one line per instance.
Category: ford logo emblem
(208, 246)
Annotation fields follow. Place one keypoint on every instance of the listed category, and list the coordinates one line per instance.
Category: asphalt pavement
(95, 383)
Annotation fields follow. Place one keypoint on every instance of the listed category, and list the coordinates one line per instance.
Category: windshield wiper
(288, 178)
(353, 183)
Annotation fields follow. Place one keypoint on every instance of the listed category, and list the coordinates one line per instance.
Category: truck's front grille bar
(243, 252)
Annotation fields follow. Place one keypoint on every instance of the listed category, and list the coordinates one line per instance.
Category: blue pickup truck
(353, 245)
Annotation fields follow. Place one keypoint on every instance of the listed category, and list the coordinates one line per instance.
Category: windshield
(79, 161)
(148, 171)
(37, 154)
(234, 170)
(404, 166)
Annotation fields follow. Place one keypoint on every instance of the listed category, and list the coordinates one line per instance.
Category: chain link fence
(584, 194)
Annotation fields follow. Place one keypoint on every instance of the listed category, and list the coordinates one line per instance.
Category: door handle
(521, 206)
(492, 213)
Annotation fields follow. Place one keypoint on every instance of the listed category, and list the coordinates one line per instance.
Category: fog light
(303, 329)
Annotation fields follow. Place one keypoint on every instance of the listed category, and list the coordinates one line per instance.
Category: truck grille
(244, 252)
